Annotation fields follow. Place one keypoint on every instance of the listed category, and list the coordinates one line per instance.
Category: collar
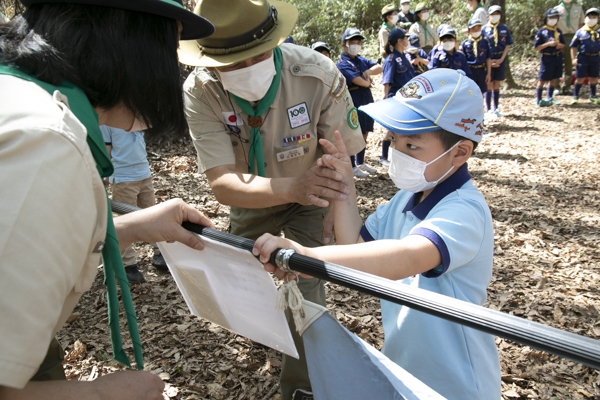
(348, 57)
(388, 26)
(453, 183)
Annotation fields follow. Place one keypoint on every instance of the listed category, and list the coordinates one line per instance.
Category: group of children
(584, 50)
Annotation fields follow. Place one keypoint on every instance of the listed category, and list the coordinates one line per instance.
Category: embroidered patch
(298, 115)
(291, 153)
(339, 83)
(234, 129)
(353, 118)
(231, 118)
(410, 91)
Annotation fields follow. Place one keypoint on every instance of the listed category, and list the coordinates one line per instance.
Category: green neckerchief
(562, 3)
(255, 120)
(111, 255)
(476, 8)
(388, 26)
(425, 32)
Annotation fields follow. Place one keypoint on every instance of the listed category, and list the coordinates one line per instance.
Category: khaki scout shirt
(52, 217)
(383, 36)
(577, 19)
(312, 102)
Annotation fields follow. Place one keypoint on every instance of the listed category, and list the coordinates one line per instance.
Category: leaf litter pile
(537, 168)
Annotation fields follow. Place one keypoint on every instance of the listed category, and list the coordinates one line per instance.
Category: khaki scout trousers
(302, 224)
(140, 194)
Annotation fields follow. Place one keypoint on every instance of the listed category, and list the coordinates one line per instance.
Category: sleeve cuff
(442, 248)
(365, 234)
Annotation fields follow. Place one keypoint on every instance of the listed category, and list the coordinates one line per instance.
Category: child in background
(477, 51)
(397, 70)
(549, 41)
(500, 40)
(131, 184)
(427, 36)
(406, 17)
(389, 15)
(321, 47)
(436, 233)
(358, 71)
(447, 56)
(416, 56)
(585, 51)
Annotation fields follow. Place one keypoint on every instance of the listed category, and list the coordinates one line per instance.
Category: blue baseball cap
(414, 40)
(441, 98)
(320, 45)
(395, 34)
(447, 31)
(442, 26)
(551, 12)
(474, 22)
(352, 33)
(592, 10)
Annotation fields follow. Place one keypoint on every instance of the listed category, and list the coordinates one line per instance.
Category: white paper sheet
(230, 288)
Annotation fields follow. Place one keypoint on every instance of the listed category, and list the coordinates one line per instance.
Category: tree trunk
(510, 81)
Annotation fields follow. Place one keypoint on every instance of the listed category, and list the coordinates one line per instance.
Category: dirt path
(538, 169)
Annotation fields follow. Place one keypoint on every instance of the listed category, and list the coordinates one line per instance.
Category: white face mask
(250, 83)
(494, 19)
(405, 8)
(354, 49)
(591, 22)
(475, 35)
(471, 7)
(393, 19)
(408, 173)
(424, 16)
(448, 45)
(552, 21)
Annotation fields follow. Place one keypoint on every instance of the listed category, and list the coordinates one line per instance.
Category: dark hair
(117, 57)
(449, 139)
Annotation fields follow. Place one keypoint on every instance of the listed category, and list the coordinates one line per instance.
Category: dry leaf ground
(538, 169)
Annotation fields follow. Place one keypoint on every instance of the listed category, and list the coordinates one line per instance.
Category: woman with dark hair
(66, 67)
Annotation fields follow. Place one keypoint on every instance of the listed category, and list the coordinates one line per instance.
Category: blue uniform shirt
(456, 361)
(128, 154)
(456, 60)
(419, 68)
(483, 50)
(353, 68)
(397, 70)
(545, 35)
(503, 39)
(584, 43)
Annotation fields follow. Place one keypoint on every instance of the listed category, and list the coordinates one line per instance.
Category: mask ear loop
(288, 294)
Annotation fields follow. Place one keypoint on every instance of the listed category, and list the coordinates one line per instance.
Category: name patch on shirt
(291, 153)
(232, 118)
(298, 115)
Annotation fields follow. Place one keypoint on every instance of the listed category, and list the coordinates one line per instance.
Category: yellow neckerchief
(553, 29)
(593, 31)
(495, 28)
(475, 41)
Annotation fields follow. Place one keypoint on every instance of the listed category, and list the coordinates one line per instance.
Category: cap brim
(396, 117)
(361, 37)
(193, 26)
(190, 52)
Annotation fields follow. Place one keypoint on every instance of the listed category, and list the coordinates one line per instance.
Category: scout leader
(255, 116)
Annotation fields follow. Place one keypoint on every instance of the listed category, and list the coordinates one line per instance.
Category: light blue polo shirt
(456, 361)
(128, 154)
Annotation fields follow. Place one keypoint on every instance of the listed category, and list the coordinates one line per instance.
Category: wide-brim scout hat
(592, 10)
(352, 33)
(441, 98)
(243, 29)
(474, 22)
(494, 8)
(388, 9)
(193, 26)
(320, 46)
(420, 7)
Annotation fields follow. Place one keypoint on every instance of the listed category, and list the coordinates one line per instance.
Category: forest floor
(537, 168)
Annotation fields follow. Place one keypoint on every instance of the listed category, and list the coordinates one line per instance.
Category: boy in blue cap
(477, 52)
(397, 70)
(436, 233)
(500, 40)
(447, 56)
(358, 71)
(549, 41)
(321, 47)
(416, 55)
(585, 52)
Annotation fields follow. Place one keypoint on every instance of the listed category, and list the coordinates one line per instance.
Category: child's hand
(337, 158)
(267, 244)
